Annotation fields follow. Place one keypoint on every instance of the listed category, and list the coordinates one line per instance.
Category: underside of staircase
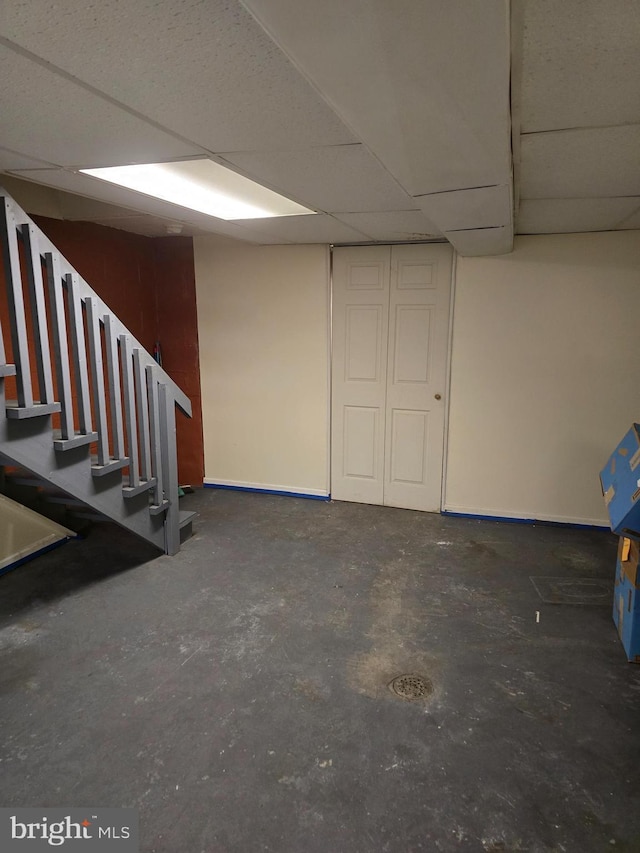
(93, 417)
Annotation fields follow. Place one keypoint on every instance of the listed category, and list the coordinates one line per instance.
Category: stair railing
(124, 402)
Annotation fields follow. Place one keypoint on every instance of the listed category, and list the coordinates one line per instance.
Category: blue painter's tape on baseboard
(509, 520)
(267, 491)
(35, 554)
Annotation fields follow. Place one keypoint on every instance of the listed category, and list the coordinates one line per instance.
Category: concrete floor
(237, 694)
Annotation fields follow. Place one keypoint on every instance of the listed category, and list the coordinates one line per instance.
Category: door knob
(438, 396)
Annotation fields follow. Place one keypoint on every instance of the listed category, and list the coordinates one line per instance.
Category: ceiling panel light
(204, 186)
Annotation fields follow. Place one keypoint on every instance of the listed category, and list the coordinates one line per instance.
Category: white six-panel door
(389, 364)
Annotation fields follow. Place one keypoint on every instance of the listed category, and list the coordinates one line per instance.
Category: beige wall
(545, 375)
(263, 328)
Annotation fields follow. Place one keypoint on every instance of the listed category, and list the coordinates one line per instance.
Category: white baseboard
(514, 515)
(266, 487)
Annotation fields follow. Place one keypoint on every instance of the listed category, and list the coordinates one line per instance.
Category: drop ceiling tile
(580, 63)
(392, 225)
(424, 85)
(481, 207)
(333, 179)
(482, 241)
(317, 228)
(566, 215)
(205, 70)
(49, 118)
(581, 163)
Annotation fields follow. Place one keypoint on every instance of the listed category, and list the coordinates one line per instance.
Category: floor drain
(411, 687)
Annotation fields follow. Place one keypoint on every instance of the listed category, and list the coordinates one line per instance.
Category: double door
(389, 363)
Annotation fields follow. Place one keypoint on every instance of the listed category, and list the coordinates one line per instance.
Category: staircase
(95, 414)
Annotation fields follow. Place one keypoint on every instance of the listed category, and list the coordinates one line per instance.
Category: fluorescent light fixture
(204, 186)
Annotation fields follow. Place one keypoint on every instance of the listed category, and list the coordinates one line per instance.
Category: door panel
(359, 373)
(361, 434)
(363, 341)
(412, 334)
(410, 433)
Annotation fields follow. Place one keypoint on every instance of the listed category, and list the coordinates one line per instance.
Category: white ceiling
(577, 163)
(392, 118)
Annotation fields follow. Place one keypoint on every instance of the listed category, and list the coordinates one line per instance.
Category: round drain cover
(411, 687)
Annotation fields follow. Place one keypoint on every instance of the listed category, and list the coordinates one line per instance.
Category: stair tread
(16, 412)
(156, 509)
(79, 440)
(98, 470)
(130, 491)
(187, 515)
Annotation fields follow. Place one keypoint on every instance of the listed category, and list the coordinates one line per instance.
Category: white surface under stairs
(24, 532)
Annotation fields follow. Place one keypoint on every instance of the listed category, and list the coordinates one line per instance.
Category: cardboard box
(620, 480)
(626, 598)
(629, 559)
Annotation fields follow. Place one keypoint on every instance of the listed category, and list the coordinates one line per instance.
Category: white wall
(263, 324)
(545, 375)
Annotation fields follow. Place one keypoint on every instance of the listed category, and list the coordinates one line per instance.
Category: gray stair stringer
(29, 444)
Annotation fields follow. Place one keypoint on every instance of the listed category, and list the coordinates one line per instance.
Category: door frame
(447, 407)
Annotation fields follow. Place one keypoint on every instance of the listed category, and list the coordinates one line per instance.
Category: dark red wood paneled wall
(177, 331)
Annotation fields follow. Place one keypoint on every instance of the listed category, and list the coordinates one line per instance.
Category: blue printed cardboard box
(620, 479)
(626, 598)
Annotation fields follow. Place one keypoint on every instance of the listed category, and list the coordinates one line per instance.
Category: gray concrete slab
(237, 694)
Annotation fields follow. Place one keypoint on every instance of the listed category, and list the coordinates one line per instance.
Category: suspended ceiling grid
(393, 120)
